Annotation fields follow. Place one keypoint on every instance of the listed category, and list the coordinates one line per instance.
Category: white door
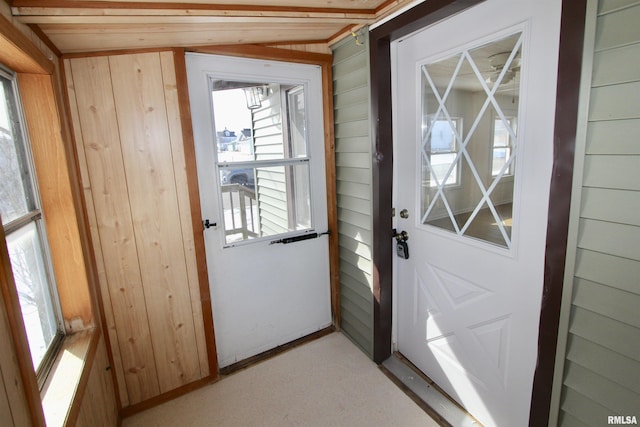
(258, 131)
(474, 101)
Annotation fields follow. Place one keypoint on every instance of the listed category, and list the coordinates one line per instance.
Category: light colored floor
(327, 382)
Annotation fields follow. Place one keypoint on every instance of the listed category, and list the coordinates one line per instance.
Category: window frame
(34, 217)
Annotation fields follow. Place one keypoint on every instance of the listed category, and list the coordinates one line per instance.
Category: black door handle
(207, 224)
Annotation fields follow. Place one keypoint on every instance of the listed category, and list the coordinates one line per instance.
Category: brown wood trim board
(572, 27)
(194, 198)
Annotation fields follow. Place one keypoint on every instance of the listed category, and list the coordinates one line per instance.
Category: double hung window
(24, 229)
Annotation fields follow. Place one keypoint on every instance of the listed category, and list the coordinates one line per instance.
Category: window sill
(68, 377)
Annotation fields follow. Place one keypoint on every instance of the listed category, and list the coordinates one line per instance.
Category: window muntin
(25, 234)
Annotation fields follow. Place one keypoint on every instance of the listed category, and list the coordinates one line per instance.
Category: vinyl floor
(327, 382)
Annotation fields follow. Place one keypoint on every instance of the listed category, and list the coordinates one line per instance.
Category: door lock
(404, 214)
(402, 248)
(402, 236)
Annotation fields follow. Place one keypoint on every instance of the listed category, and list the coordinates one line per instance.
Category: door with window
(259, 138)
(473, 123)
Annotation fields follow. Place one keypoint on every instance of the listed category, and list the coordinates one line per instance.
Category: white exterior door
(259, 139)
(474, 100)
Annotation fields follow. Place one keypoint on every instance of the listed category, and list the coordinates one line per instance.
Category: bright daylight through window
(25, 236)
(262, 158)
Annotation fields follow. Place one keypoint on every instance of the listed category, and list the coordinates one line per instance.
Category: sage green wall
(601, 348)
(353, 171)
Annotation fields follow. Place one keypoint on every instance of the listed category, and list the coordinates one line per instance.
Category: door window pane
(469, 113)
(262, 160)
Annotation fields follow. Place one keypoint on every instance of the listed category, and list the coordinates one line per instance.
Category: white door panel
(263, 294)
(474, 100)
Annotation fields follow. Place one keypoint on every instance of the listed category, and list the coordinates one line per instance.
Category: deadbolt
(404, 214)
(402, 236)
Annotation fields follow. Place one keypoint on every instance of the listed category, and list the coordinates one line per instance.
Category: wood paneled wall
(14, 407)
(98, 406)
(126, 120)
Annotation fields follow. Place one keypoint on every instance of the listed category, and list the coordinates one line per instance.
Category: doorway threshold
(424, 392)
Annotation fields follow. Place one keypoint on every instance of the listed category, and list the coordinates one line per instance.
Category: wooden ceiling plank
(22, 7)
(291, 29)
(345, 4)
(148, 22)
(25, 12)
(72, 43)
(137, 19)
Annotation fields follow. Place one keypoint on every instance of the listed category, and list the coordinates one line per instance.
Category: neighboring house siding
(601, 374)
(271, 182)
(353, 170)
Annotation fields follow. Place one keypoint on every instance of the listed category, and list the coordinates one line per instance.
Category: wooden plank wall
(126, 122)
(602, 365)
(98, 406)
(353, 174)
(14, 409)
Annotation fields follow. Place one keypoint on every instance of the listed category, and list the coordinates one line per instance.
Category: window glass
(30, 275)
(469, 109)
(262, 159)
(16, 197)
